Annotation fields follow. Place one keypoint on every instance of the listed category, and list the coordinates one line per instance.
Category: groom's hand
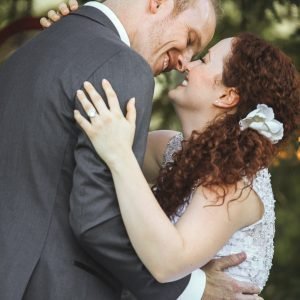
(220, 286)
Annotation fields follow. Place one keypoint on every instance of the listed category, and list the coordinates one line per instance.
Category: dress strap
(173, 146)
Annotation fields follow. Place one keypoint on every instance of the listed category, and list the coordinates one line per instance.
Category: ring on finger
(92, 113)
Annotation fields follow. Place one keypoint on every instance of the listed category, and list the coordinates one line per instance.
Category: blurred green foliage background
(276, 21)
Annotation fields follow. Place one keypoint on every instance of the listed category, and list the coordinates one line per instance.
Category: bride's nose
(189, 66)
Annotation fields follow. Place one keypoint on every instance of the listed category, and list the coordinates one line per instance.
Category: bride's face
(203, 83)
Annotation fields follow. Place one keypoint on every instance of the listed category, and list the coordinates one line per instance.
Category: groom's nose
(183, 60)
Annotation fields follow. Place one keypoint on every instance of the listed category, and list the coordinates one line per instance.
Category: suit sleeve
(95, 215)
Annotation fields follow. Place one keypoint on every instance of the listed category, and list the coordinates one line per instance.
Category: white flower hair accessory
(262, 119)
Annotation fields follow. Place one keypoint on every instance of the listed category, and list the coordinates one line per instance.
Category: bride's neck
(192, 120)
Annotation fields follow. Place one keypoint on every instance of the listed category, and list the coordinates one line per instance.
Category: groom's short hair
(182, 5)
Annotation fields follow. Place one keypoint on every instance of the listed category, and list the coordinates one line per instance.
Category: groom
(50, 175)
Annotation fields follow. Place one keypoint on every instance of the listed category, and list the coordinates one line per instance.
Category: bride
(211, 193)
(237, 107)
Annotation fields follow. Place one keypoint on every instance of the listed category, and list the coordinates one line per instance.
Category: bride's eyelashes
(202, 59)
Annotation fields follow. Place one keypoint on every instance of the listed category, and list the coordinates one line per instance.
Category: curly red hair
(222, 154)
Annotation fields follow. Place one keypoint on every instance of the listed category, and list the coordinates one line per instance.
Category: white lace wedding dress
(256, 240)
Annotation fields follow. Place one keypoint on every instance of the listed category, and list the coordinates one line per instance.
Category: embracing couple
(78, 219)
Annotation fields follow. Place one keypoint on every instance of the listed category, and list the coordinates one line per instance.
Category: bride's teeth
(184, 83)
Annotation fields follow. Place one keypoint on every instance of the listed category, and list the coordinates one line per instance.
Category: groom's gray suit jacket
(50, 176)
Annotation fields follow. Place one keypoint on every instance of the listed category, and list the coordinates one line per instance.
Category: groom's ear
(154, 5)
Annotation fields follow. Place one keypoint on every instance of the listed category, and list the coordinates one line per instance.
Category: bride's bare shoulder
(158, 141)
(156, 146)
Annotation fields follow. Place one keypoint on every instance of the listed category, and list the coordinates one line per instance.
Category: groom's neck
(128, 12)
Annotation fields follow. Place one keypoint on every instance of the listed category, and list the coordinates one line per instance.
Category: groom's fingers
(229, 261)
(247, 288)
(112, 98)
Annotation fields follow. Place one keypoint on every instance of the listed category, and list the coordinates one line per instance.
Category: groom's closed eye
(199, 57)
(194, 41)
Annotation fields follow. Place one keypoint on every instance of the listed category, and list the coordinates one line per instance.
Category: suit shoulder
(132, 60)
(128, 67)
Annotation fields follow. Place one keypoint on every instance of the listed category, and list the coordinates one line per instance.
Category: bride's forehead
(222, 46)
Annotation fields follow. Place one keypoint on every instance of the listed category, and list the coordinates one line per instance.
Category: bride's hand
(110, 132)
(63, 10)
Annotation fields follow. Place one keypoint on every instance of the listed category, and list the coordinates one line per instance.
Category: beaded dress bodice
(257, 240)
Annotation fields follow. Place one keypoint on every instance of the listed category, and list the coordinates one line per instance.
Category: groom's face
(173, 39)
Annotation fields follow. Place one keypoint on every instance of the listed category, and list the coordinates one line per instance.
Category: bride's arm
(169, 252)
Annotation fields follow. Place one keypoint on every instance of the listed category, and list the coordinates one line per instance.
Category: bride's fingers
(131, 111)
(53, 16)
(88, 107)
(73, 5)
(45, 22)
(82, 122)
(96, 98)
(63, 9)
(112, 98)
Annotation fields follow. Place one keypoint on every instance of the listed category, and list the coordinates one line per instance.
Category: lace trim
(173, 146)
(257, 239)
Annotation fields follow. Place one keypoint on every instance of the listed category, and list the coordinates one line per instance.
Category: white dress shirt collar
(114, 19)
